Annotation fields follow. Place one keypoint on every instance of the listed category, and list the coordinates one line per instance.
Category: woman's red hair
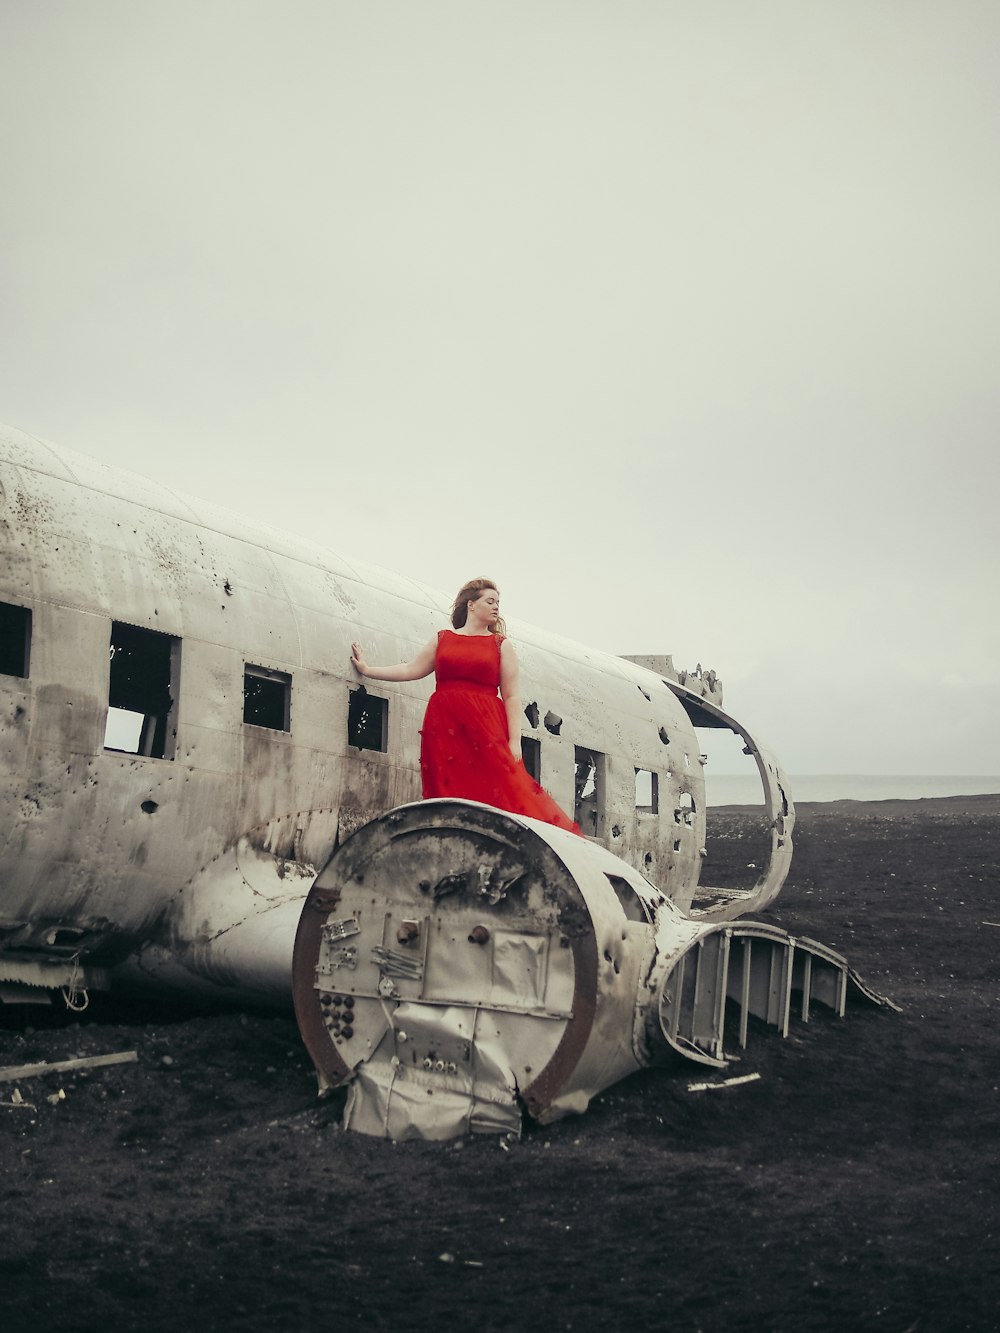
(471, 592)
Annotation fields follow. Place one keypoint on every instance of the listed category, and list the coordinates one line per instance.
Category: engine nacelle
(457, 964)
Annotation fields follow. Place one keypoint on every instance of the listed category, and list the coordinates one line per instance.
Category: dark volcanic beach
(855, 1186)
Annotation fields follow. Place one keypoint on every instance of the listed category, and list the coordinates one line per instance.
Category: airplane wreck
(197, 794)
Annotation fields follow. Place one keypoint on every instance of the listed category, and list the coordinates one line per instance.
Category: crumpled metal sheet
(466, 1087)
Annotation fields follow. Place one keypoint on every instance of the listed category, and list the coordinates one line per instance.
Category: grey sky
(680, 320)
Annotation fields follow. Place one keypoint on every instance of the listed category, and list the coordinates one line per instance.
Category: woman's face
(483, 612)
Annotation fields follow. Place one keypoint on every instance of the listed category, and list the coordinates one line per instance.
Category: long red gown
(464, 751)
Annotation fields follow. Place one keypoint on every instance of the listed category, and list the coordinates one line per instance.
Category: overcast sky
(680, 320)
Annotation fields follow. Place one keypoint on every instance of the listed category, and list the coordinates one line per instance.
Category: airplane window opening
(15, 640)
(367, 721)
(647, 791)
(589, 806)
(685, 808)
(553, 722)
(663, 736)
(142, 692)
(531, 753)
(531, 713)
(267, 698)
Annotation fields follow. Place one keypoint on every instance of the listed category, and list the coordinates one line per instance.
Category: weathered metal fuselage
(182, 851)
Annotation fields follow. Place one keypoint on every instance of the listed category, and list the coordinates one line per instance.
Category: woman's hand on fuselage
(357, 660)
(420, 666)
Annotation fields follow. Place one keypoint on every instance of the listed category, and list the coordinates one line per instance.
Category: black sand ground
(856, 1186)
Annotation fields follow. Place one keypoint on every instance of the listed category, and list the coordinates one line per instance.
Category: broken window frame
(590, 791)
(531, 754)
(157, 695)
(652, 806)
(15, 640)
(281, 703)
(361, 703)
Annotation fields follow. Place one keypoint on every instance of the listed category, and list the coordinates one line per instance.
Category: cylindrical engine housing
(455, 962)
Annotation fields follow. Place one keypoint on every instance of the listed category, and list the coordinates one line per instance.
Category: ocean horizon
(745, 788)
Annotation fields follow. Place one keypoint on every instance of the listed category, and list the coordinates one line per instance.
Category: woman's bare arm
(421, 665)
(510, 693)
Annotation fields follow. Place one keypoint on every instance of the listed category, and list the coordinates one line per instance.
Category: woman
(470, 743)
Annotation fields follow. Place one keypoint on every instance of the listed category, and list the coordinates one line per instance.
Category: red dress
(464, 750)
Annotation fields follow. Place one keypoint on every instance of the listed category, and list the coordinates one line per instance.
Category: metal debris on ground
(726, 1083)
(17, 1102)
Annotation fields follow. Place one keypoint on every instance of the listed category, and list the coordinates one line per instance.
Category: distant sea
(745, 788)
